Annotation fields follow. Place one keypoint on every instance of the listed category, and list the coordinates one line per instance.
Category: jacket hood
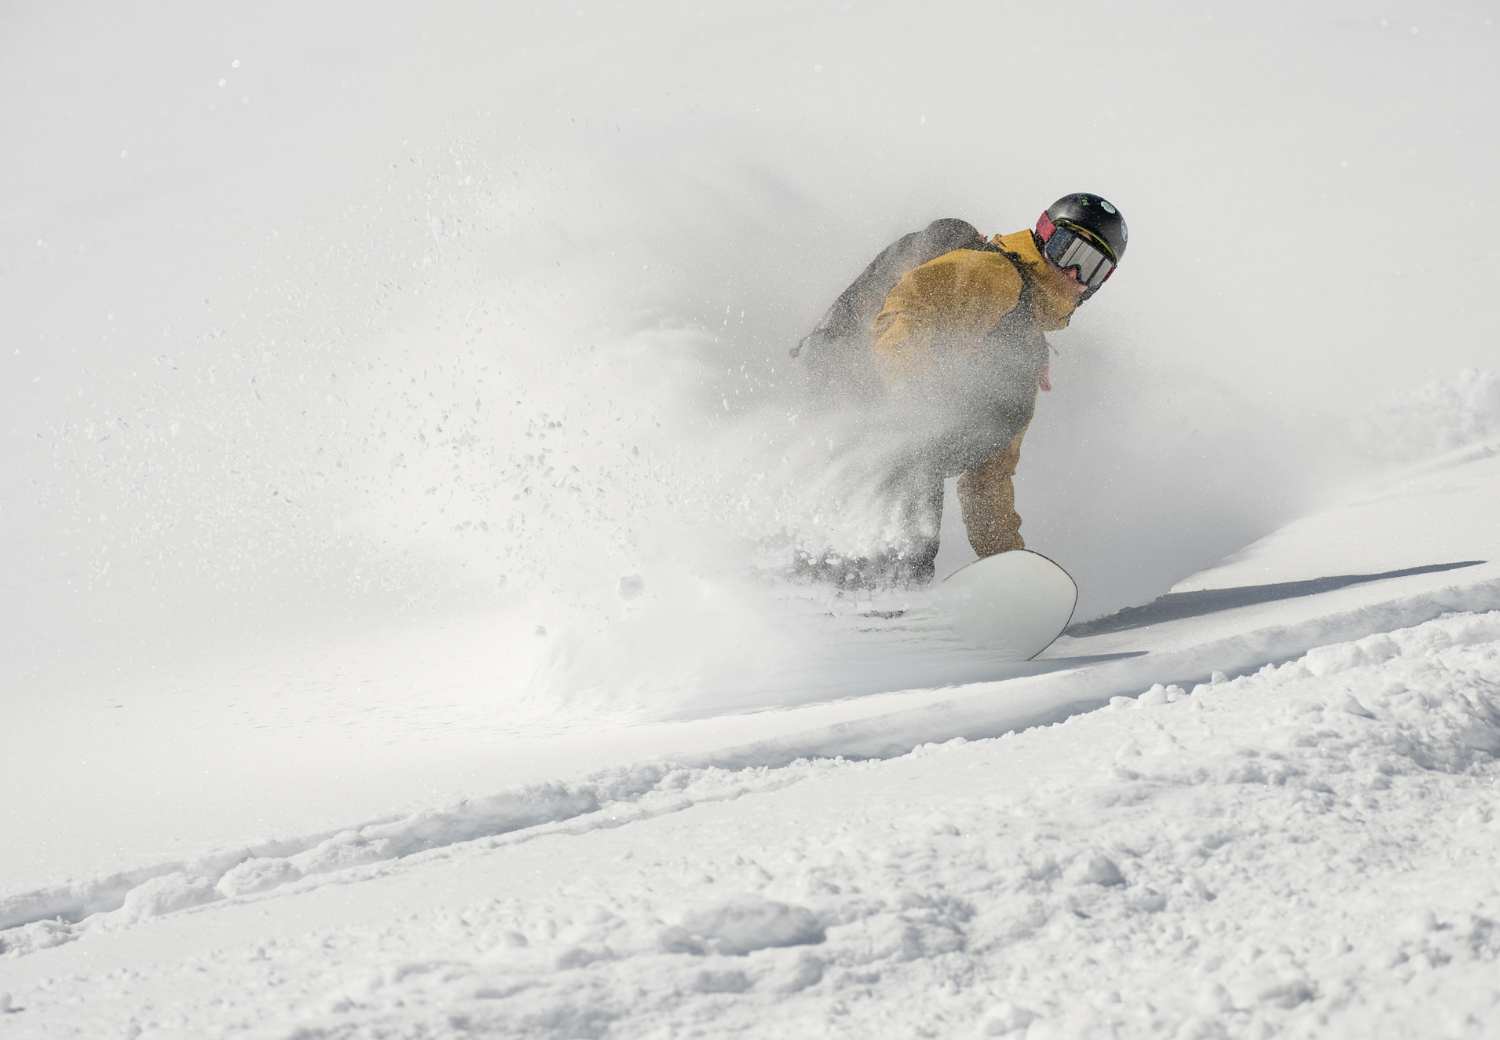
(1054, 301)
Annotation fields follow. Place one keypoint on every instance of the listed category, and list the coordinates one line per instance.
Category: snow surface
(392, 397)
(1278, 812)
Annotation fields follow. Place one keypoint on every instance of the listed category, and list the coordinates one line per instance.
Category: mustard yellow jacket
(951, 304)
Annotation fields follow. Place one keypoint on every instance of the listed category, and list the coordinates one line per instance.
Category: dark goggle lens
(1069, 249)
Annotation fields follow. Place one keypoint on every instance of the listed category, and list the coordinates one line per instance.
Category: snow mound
(740, 926)
(1438, 417)
(164, 894)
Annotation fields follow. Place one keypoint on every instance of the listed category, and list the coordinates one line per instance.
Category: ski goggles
(1066, 247)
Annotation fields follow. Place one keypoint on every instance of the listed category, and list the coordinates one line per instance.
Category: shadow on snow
(1175, 606)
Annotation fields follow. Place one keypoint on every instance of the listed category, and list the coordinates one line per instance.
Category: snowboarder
(942, 336)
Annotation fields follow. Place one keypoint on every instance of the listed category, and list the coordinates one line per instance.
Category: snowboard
(1013, 605)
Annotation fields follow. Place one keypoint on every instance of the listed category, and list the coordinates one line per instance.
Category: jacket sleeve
(987, 497)
(955, 299)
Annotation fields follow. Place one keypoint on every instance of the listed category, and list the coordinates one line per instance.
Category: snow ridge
(51, 917)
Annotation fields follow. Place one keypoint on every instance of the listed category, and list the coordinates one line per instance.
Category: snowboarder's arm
(987, 497)
(955, 299)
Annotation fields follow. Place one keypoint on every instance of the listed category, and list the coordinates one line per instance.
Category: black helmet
(1091, 214)
(1085, 234)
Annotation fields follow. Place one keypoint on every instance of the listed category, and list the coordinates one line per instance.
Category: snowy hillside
(1278, 809)
(397, 432)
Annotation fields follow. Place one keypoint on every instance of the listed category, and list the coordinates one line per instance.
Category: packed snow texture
(1303, 849)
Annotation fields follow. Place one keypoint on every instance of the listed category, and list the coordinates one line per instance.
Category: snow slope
(358, 358)
(1282, 818)
(145, 775)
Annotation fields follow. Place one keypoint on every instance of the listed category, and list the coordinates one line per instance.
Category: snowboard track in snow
(49, 917)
